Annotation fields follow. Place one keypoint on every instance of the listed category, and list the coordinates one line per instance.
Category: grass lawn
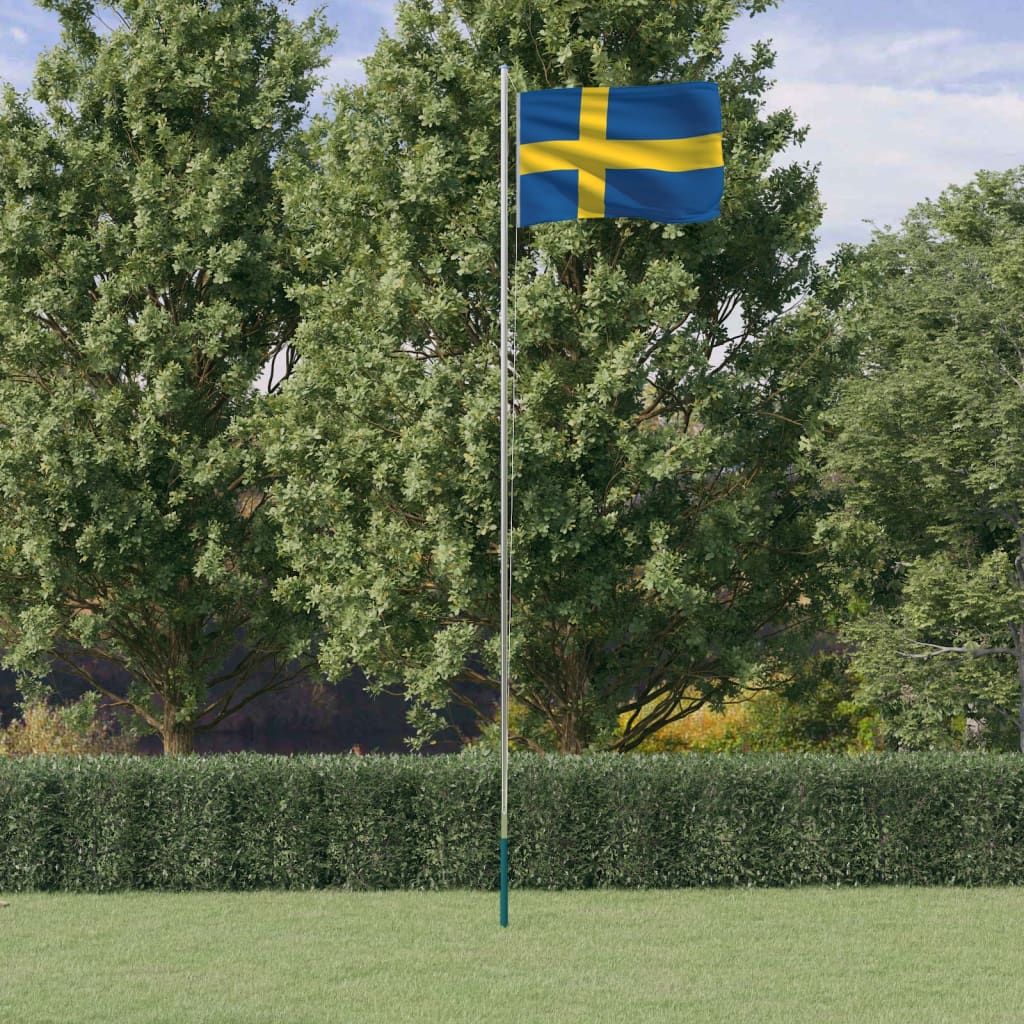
(916, 956)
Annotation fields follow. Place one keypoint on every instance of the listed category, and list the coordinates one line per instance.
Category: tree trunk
(569, 739)
(178, 737)
(572, 728)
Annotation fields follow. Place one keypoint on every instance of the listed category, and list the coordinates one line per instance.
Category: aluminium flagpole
(505, 581)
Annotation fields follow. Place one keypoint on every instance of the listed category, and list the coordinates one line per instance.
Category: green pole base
(504, 882)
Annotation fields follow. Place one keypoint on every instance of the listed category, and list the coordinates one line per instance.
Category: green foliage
(661, 513)
(143, 273)
(527, 730)
(817, 710)
(924, 455)
(658, 821)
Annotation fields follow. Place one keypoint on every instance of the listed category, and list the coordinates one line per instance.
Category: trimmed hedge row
(249, 821)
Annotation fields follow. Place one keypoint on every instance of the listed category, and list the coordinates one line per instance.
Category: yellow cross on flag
(653, 152)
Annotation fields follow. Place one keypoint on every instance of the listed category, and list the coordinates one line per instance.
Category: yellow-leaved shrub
(822, 718)
(75, 729)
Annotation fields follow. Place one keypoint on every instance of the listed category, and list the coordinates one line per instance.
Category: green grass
(870, 956)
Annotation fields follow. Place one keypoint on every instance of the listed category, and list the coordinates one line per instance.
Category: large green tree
(661, 538)
(144, 265)
(925, 457)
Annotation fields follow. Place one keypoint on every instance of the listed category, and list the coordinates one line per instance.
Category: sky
(902, 97)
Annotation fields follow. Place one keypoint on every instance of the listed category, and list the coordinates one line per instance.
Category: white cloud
(884, 149)
(343, 69)
(927, 40)
(16, 71)
(896, 117)
(952, 60)
(25, 31)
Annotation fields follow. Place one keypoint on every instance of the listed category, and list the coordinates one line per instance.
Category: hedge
(250, 821)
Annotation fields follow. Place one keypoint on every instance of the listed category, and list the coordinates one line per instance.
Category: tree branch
(937, 650)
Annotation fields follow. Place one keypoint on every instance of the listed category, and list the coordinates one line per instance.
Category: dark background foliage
(310, 718)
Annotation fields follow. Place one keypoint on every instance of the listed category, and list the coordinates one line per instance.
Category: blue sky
(903, 97)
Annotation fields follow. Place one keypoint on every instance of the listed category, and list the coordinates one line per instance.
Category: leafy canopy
(144, 267)
(661, 538)
(925, 457)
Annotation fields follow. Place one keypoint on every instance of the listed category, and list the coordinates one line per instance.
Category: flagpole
(505, 581)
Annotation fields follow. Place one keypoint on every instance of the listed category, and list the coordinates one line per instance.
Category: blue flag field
(652, 152)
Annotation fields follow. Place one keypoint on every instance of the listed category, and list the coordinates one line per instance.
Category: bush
(76, 728)
(250, 821)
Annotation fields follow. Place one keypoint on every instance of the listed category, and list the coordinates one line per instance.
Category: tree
(661, 535)
(925, 460)
(143, 285)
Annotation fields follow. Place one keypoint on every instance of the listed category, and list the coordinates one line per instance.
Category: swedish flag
(648, 151)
